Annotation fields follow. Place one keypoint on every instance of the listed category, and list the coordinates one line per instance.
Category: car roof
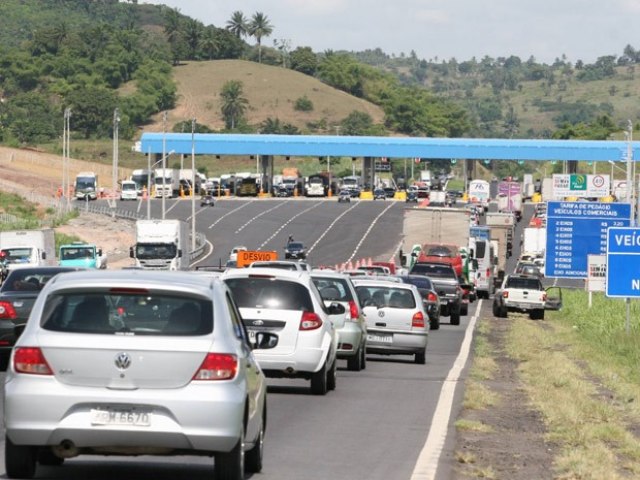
(266, 272)
(373, 281)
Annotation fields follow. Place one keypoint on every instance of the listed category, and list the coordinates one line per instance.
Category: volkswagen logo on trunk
(380, 313)
(123, 361)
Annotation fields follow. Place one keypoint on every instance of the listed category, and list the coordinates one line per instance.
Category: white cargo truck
(534, 241)
(27, 248)
(479, 193)
(502, 232)
(161, 245)
(167, 182)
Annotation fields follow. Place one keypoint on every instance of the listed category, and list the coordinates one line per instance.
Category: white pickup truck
(524, 293)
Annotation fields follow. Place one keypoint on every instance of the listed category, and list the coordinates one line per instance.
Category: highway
(375, 424)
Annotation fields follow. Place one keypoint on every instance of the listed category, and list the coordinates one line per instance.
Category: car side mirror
(180, 252)
(100, 252)
(131, 254)
(336, 309)
(265, 340)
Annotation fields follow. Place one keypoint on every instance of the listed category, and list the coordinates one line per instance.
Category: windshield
(525, 283)
(432, 270)
(155, 250)
(127, 314)
(16, 255)
(334, 289)
(162, 180)
(269, 293)
(76, 253)
(128, 186)
(85, 183)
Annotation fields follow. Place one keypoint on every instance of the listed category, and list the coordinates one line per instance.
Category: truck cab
(81, 254)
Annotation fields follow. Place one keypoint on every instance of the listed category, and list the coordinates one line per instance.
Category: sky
(440, 29)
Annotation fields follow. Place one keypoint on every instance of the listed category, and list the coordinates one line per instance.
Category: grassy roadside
(578, 369)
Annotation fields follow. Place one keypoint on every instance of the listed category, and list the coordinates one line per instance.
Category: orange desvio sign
(247, 257)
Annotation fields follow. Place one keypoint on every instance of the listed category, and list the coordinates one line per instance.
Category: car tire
(421, 357)
(537, 314)
(455, 318)
(354, 363)
(332, 375)
(495, 310)
(464, 310)
(48, 458)
(319, 381)
(253, 458)
(19, 460)
(434, 324)
(230, 465)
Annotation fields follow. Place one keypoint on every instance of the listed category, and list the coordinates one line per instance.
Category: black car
(378, 194)
(429, 296)
(412, 196)
(18, 293)
(206, 201)
(295, 250)
(390, 192)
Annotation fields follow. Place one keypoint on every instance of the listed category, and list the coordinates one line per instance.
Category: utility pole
(114, 179)
(193, 184)
(164, 161)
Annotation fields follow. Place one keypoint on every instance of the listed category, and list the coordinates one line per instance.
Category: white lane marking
(175, 204)
(231, 212)
(206, 256)
(287, 223)
(259, 215)
(331, 226)
(364, 237)
(429, 457)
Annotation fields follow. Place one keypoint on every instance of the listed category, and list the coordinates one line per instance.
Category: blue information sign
(623, 262)
(578, 229)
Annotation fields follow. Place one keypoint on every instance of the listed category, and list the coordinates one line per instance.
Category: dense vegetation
(95, 56)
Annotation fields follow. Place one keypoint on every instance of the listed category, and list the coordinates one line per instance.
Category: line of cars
(164, 363)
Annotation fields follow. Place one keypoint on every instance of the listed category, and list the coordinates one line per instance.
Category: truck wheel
(537, 314)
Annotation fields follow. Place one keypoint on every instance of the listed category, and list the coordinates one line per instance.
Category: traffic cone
(350, 265)
(370, 262)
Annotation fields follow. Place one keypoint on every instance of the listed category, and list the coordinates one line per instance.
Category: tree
(233, 103)
(210, 44)
(193, 37)
(238, 24)
(92, 109)
(258, 28)
(303, 60)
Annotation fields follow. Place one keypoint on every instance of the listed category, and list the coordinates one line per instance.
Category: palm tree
(210, 43)
(233, 103)
(258, 28)
(193, 36)
(238, 24)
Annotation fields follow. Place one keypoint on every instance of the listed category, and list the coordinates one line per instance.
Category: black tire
(253, 458)
(363, 353)
(354, 363)
(464, 310)
(455, 318)
(504, 313)
(495, 310)
(48, 458)
(319, 381)
(537, 314)
(332, 375)
(19, 460)
(230, 465)
(421, 357)
(434, 324)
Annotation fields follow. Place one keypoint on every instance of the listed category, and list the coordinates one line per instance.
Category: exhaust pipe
(66, 449)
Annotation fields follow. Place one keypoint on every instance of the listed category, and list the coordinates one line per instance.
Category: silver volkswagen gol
(135, 362)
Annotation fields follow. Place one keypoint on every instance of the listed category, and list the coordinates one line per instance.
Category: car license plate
(130, 417)
(380, 338)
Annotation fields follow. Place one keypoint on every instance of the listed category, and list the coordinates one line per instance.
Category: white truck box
(534, 240)
(28, 248)
(161, 245)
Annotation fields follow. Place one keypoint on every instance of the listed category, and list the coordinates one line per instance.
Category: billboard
(580, 185)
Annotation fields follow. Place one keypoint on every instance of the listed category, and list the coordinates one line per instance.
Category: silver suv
(131, 363)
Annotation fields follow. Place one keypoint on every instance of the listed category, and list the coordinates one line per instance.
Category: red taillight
(488, 272)
(310, 321)
(417, 320)
(30, 360)
(432, 297)
(354, 313)
(7, 311)
(217, 366)
(505, 294)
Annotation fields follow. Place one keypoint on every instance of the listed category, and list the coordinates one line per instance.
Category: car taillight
(310, 321)
(417, 320)
(7, 311)
(30, 360)
(217, 366)
(432, 297)
(353, 311)
(505, 294)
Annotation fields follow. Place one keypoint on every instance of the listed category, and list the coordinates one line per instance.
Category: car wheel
(503, 312)
(421, 357)
(495, 310)
(363, 353)
(19, 460)
(464, 310)
(319, 381)
(48, 458)
(354, 363)
(230, 465)
(253, 458)
(537, 314)
(332, 375)
(434, 324)
(455, 318)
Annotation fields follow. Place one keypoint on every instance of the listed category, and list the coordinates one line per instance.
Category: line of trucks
(159, 245)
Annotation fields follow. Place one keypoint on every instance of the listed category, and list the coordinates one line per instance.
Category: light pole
(164, 163)
(114, 179)
(66, 155)
(329, 173)
(193, 184)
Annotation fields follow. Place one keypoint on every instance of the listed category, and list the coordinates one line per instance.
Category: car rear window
(127, 314)
(419, 281)
(436, 271)
(375, 296)
(333, 289)
(269, 293)
(525, 283)
(281, 266)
